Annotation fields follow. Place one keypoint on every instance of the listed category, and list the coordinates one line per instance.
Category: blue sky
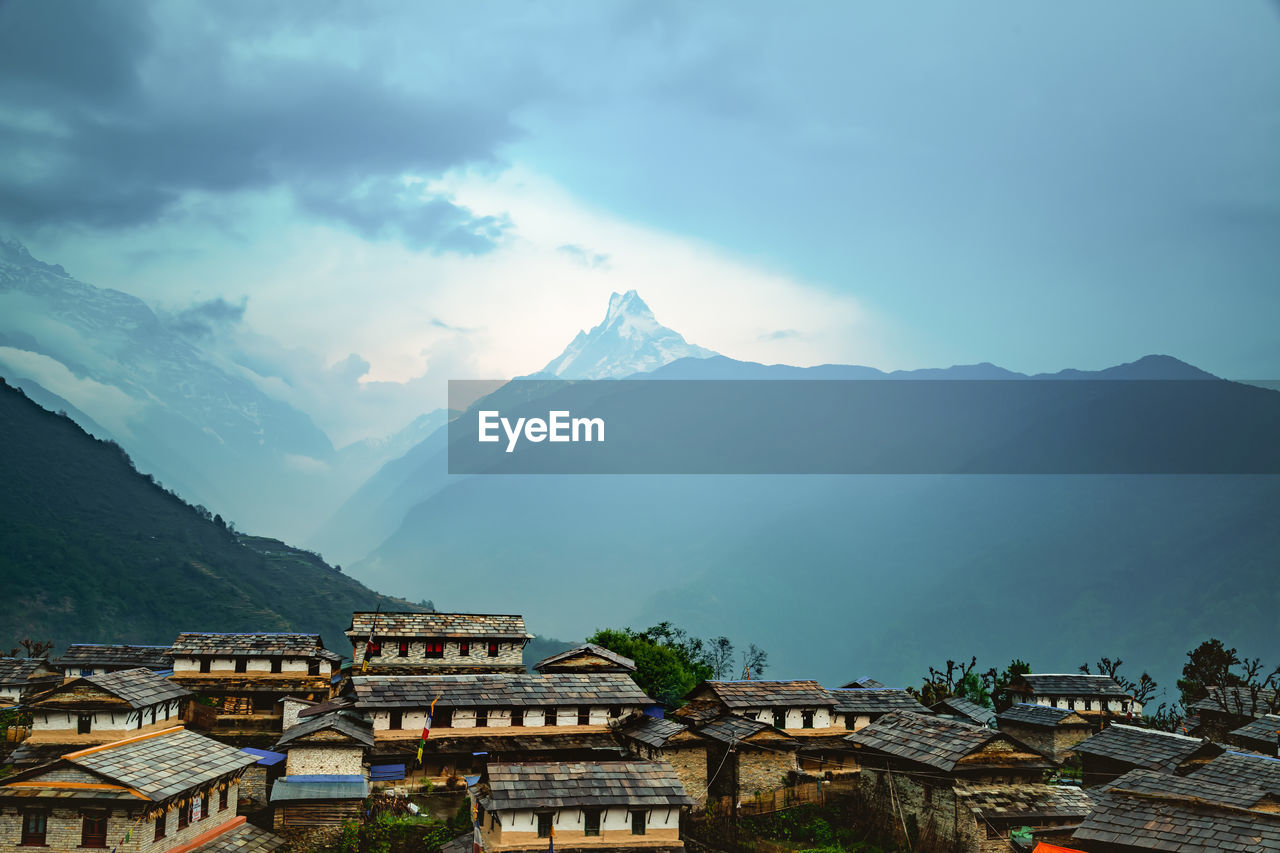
(398, 194)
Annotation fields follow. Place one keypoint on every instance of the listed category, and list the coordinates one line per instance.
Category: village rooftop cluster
(247, 742)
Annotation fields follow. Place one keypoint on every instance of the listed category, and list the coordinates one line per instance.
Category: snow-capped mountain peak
(629, 340)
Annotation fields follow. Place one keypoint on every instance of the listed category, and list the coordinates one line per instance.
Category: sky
(361, 201)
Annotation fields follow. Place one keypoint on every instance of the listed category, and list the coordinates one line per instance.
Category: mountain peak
(629, 340)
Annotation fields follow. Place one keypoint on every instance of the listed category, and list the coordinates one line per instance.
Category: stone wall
(318, 760)
(308, 838)
(1052, 742)
(762, 770)
(64, 826)
(690, 764)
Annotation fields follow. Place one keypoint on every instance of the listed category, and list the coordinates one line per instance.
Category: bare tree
(1142, 690)
(720, 657)
(32, 648)
(754, 660)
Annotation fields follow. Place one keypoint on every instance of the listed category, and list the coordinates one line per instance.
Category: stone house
(1144, 810)
(170, 790)
(1242, 769)
(1048, 730)
(437, 643)
(22, 678)
(244, 676)
(791, 706)
(958, 708)
(857, 708)
(941, 781)
(95, 709)
(659, 739)
(1091, 696)
(586, 658)
(493, 716)
(1260, 735)
(325, 773)
(1226, 709)
(590, 805)
(99, 659)
(746, 756)
(1118, 749)
(864, 682)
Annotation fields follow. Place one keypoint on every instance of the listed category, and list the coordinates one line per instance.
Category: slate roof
(875, 701)
(100, 654)
(1073, 684)
(245, 838)
(251, 645)
(929, 740)
(732, 729)
(1027, 801)
(497, 690)
(337, 703)
(1147, 748)
(1264, 728)
(588, 648)
(139, 687)
(163, 764)
(1148, 820)
(21, 670)
(971, 711)
(345, 722)
(1028, 714)
(477, 626)
(653, 731)
(1235, 700)
(1242, 795)
(769, 694)
(556, 784)
(1240, 769)
(864, 682)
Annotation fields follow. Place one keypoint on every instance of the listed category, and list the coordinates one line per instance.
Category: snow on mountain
(630, 340)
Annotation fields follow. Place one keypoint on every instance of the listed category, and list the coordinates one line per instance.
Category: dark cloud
(205, 318)
(95, 141)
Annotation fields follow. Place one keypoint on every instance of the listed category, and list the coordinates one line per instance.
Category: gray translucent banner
(648, 426)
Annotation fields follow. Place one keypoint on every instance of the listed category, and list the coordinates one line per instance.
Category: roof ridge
(70, 756)
(1155, 732)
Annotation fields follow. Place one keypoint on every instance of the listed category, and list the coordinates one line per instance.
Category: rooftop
(1027, 802)
(1029, 714)
(22, 670)
(319, 787)
(497, 690)
(1264, 728)
(587, 649)
(1241, 768)
(972, 711)
(1147, 748)
(555, 784)
(499, 626)
(89, 654)
(653, 731)
(1242, 793)
(732, 729)
(164, 763)
(865, 681)
(346, 723)
(1072, 684)
(738, 695)
(139, 687)
(879, 700)
(1239, 701)
(251, 645)
(928, 740)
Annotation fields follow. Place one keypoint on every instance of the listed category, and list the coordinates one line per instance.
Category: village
(436, 736)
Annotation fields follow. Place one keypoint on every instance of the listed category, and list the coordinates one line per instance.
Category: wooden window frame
(222, 799)
(494, 649)
(434, 649)
(34, 839)
(550, 717)
(517, 717)
(482, 718)
(550, 818)
(464, 650)
(184, 815)
(97, 839)
(162, 826)
(640, 814)
(591, 816)
(402, 649)
(584, 715)
(242, 665)
(396, 720)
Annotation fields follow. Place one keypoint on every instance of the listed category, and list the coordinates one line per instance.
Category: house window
(313, 667)
(161, 820)
(93, 829)
(222, 800)
(435, 650)
(404, 648)
(779, 718)
(396, 720)
(242, 664)
(584, 716)
(549, 716)
(34, 827)
(204, 805)
(482, 718)
(1088, 704)
(184, 815)
(277, 664)
(637, 822)
(85, 723)
(205, 663)
(86, 670)
(806, 719)
(493, 650)
(373, 649)
(443, 718)
(464, 650)
(517, 716)
(544, 824)
(153, 713)
(590, 821)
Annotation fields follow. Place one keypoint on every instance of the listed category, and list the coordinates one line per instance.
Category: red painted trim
(206, 837)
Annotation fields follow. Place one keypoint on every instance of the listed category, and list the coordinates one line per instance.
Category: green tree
(1000, 696)
(1209, 664)
(665, 669)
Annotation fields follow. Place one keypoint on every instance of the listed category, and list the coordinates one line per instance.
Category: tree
(754, 660)
(33, 648)
(1208, 665)
(1000, 696)
(957, 681)
(1142, 690)
(720, 657)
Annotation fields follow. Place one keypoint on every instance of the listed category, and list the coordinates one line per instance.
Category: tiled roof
(1142, 819)
(1028, 714)
(1072, 684)
(732, 729)
(588, 648)
(1239, 768)
(20, 670)
(245, 838)
(971, 711)
(251, 645)
(865, 681)
(312, 788)
(1147, 748)
(1027, 801)
(929, 740)
(556, 784)
(139, 687)
(875, 701)
(90, 654)
(163, 764)
(1236, 700)
(653, 731)
(461, 625)
(337, 703)
(769, 694)
(1243, 795)
(497, 690)
(1264, 728)
(345, 722)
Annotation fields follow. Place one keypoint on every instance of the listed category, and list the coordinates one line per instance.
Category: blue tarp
(319, 787)
(386, 772)
(656, 711)
(266, 757)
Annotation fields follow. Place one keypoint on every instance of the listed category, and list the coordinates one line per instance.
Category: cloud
(780, 335)
(106, 404)
(579, 255)
(205, 318)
